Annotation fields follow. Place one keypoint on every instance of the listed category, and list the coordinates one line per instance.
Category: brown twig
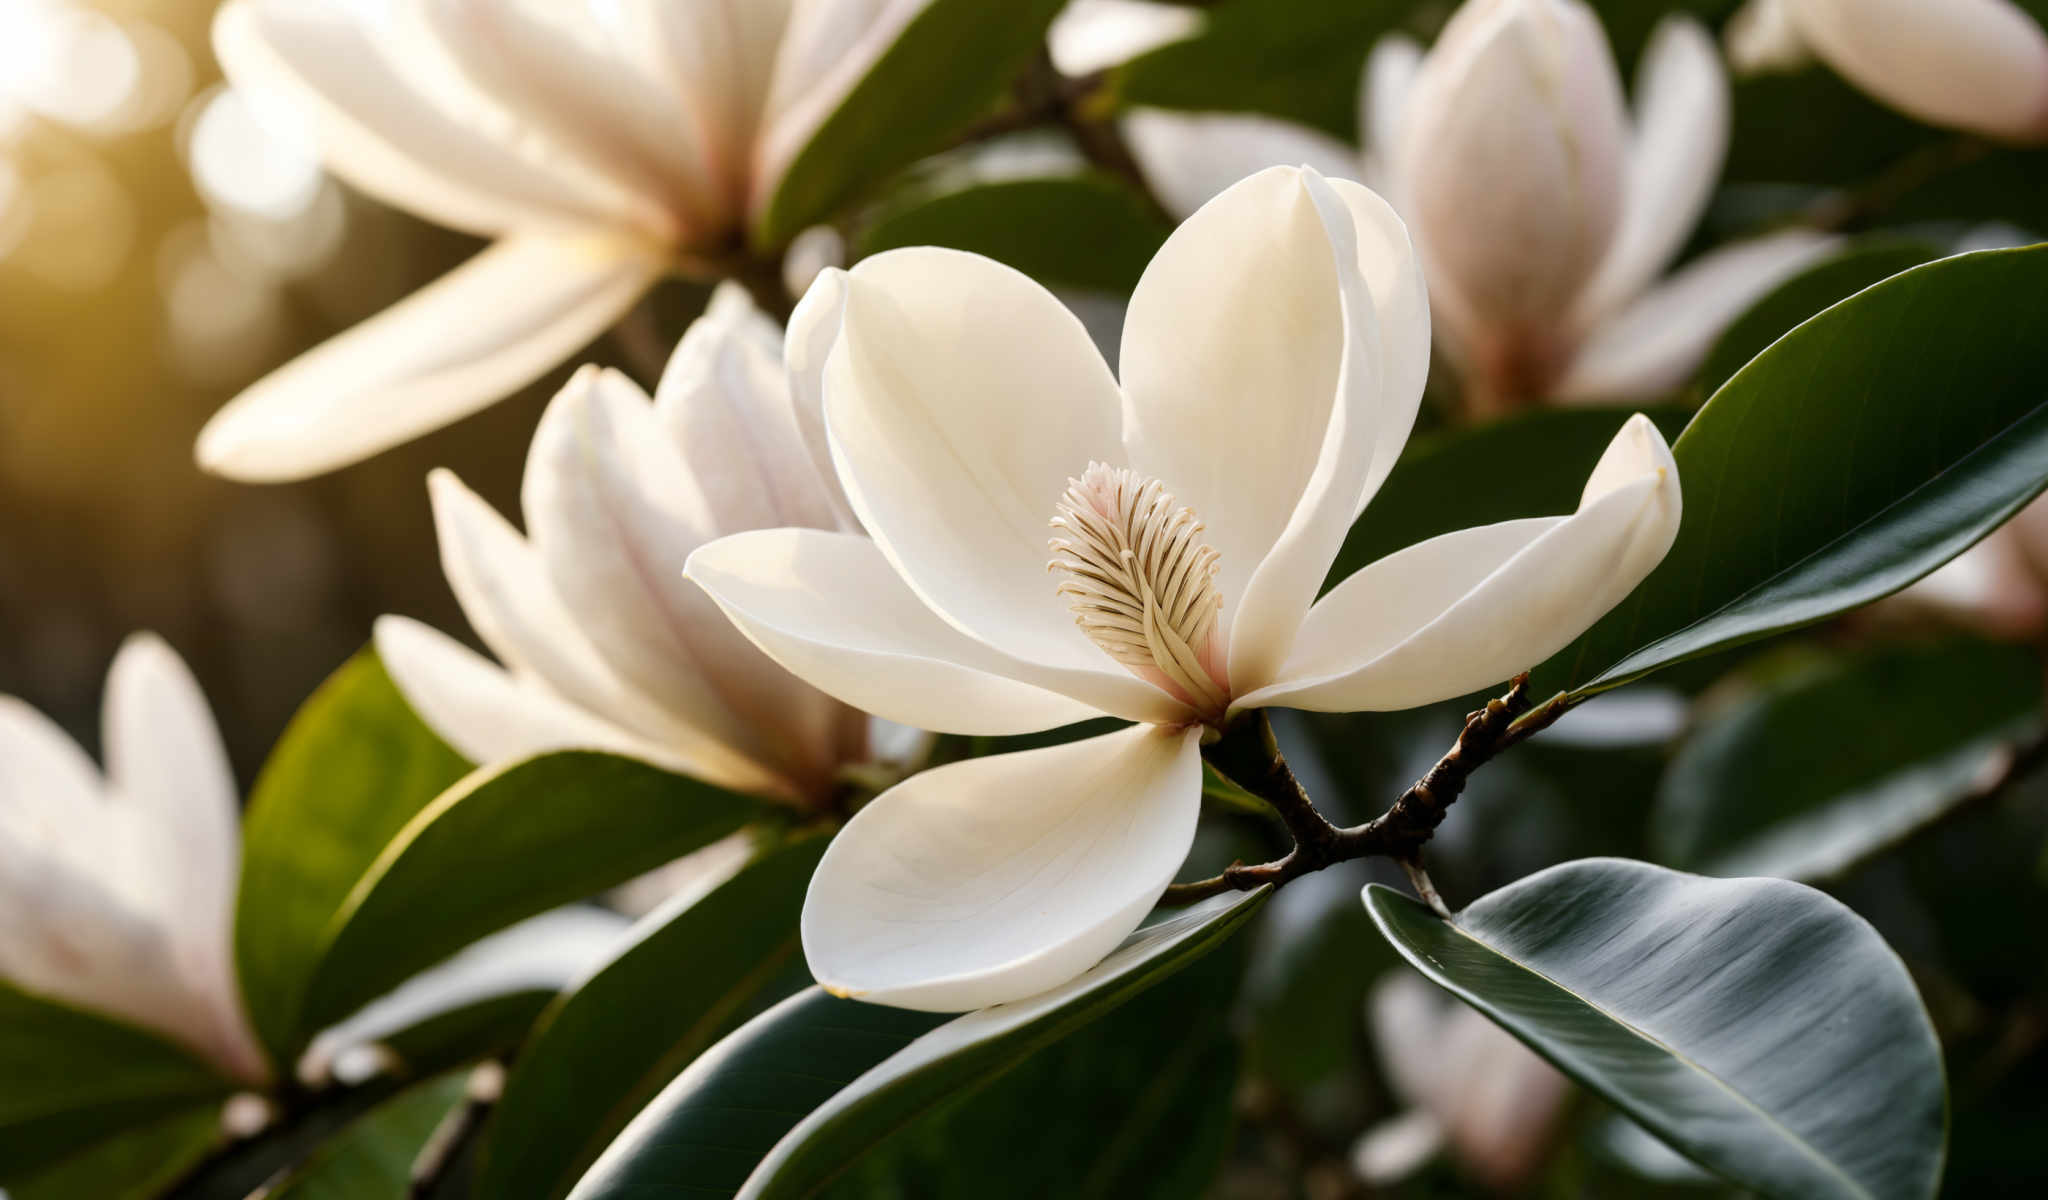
(1248, 756)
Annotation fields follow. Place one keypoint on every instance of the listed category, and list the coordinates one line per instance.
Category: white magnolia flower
(1272, 362)
(117, 890)
(604, 643)
(1978, 65)
(1544, 215)
(599, 142)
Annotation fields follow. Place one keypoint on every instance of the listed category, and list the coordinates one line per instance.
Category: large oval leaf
(504, 844)
(372, 1159)
(1862, 450)
(138, 1164)
(1756, 1025)
(602, 1051)
(1084, 229)
(946, 69)
(352, 768)
(861, 1072)
(69, 1079)
(1908, 731)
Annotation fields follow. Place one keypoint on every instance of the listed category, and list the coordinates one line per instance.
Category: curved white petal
(1465, 610)
(959, 400)
(1095, 35)
(1294, 306)
(830, 608)
(1390, 71)
(1980, 65)
(393, 139)
(1189, 157)
(479, 333)
(41, 770)
(806, 347)
(725, 399)
(1764, 36)
(994, 879)
(1652, 346)
(1674, 158)
(613, 512)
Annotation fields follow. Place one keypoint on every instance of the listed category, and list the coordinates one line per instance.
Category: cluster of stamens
(1141, 582)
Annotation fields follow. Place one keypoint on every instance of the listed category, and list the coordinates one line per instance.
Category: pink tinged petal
(994, 879)
(1466, 610)
(1652, 347)
(827, 49)
(1189, 158)
(726, 400)
(477, 334)
(1674, 158)
(1094, 35)
(959, 400)
(1510, 162)
(813, 330)
(1980, 65)
(611, 509)
(384, 132)
(830, 608)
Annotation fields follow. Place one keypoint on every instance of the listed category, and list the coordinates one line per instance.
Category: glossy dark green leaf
(1861, 451)
(1793, 301)
(1821, 770)
(352, 768)
(137, 1164)
(946, 69)
(1534, 464)
(777, 1094)
(1755, 1025)
(1085, 229)
(602, 1051)
(521, 839)
(372, 1158)
(70, 1079)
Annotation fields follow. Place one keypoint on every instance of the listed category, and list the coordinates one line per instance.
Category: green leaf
(947, 68)
(1756, 1025)
(1086, 230)
(1861, 451)
(602, 1051)
(503, 844)
(1803, 295)
(137, 1164)
(69, 1079)
(352, 768)
(1528, 465)
(748, 1097)
(372, 1158)
(1822, 770)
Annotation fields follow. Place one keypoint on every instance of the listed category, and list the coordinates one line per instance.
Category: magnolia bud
(1510, 163)
(1979, 65)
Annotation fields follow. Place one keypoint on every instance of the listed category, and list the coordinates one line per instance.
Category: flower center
(1142, 583)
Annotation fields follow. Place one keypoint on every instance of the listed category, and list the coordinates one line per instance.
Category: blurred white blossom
(1273, 359)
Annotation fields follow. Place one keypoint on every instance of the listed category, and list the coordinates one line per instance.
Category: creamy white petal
(613, 512)
(477, 334)
(381, 132)
(41, 766)
(1466, 610)
(1390, 72)
(959, 400)
(813, 330)
(1980, 65)
(1652, 346)
(726, 401)
(1189, 157)
(1675, 150)
(1764, 36)
(1094, 35)
(830, 608)
(994, 879)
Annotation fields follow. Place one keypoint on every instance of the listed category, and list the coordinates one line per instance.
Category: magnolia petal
(481, 332)
(1674, 159)
(806, 347)
(1764, 36)
(393, 139)
(993, 879)
(830, 608)
(726, 401)
(960, 496)
(1095, 35)
(1465, 610)
(1652, 346)
(1390, 71)
(1190, 158)
(1980, 65)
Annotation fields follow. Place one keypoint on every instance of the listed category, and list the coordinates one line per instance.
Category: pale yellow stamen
(1141, 581)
